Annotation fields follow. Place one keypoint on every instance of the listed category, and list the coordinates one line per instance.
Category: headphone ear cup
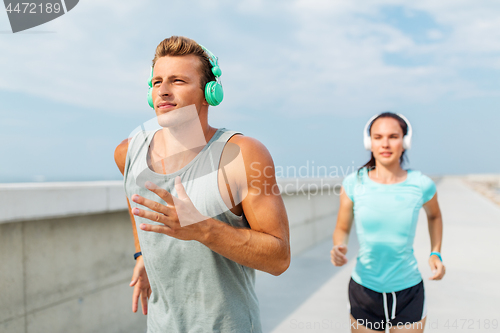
(150, 90)
(150, 98)
(406, 142)
(213, 93)
(367, 141)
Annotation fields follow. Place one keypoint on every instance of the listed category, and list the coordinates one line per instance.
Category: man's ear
(204, 99)
(203, 105)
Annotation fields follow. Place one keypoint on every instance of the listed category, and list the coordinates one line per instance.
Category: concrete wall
(66, 252)
(312, 207)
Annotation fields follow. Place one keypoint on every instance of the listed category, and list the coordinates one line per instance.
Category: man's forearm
(134, 229)
(136, 238)
(247, 247)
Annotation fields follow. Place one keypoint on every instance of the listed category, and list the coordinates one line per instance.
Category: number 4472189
(31, 8)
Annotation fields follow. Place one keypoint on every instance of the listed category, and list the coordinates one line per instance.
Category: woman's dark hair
(371, 163)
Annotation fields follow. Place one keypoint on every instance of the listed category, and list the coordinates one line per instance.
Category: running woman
(386, 288)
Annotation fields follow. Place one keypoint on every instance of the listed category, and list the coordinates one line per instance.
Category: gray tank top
(194, 289)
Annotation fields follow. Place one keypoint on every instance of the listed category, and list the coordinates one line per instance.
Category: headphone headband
(214, 61)
(409, 132)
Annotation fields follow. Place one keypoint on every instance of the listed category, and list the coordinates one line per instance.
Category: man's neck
(184, 134)
(181, 140)
(183, 131)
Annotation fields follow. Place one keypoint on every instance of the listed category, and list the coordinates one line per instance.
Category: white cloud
(323, 56)
(337, 63)
(80, 63)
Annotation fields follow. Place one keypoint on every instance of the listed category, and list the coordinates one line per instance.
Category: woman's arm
(342, 229)
(435, 222)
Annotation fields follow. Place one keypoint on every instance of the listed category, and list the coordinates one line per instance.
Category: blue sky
(303, 77)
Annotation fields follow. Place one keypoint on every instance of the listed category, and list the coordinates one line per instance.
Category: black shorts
(370, 310)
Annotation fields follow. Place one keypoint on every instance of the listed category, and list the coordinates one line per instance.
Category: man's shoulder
(248, 145)
(122, 149)
(255, 158)
(252, 150)
(121, 154)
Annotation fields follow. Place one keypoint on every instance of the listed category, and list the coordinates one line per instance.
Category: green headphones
(213, 89)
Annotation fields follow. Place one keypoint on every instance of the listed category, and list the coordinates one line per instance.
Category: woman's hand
(338, 255)
(142, 289)
(437, 268)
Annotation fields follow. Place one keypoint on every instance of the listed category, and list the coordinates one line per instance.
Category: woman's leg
(360, 328)
(417, 327)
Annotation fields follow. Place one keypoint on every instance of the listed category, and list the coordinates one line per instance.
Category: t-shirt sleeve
(348, 184)
(428, 188)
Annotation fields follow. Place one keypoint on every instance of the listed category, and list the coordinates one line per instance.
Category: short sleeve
(428, 188)
(348, 184)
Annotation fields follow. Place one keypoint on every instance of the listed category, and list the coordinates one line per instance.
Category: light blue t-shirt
(386, 218)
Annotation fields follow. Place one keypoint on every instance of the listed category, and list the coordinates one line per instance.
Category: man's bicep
(263, 205)
(265, 212)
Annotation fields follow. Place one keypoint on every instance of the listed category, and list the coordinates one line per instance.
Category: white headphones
(367, 140)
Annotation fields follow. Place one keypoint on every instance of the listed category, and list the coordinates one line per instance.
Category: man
(203, 204)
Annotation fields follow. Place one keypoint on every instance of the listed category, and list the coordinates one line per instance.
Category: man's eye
(156, 82)
(178, 80)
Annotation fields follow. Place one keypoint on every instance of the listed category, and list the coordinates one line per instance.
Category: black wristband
(137, 254)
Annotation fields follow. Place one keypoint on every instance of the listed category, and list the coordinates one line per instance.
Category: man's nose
(164, 89)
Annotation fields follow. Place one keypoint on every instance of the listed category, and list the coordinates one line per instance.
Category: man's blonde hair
(181, 46)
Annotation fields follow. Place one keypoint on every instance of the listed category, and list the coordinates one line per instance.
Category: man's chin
(178, 116)
(169, 123)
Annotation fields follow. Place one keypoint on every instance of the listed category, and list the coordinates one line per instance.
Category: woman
(385, 201)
